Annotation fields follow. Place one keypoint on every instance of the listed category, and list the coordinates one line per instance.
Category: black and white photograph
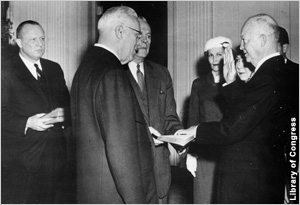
(149, 102)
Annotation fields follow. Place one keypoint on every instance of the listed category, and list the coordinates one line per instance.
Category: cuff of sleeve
(195, 132)
(224, 84)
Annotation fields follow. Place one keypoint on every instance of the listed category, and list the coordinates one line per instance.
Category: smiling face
(243, 72)
(144, 42)
(215, 55)
(32, 42)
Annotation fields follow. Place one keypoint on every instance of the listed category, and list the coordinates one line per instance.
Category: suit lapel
(47, 73)
(153, 86)
(139, 97)
(270, 66)
(138, 93)
(23, 73)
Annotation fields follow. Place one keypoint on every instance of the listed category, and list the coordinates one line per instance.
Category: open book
(181, 140)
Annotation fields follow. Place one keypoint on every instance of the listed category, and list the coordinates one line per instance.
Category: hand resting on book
(55, 116)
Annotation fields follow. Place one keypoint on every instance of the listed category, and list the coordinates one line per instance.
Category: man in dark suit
(251, 168)
(283, 46)
(156, 98)
(292, 67)
(114, 156)
(293, 80)
(33, 147)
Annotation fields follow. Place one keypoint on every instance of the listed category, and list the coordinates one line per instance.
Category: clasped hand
(38, 123)
(42, 121)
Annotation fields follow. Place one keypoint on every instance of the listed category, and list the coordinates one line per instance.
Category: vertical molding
(189, 26)
(171, 39)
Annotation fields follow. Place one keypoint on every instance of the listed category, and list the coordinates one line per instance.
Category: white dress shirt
(31, 66)
(132, 67)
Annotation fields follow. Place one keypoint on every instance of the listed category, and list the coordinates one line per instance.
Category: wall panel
(189, 26)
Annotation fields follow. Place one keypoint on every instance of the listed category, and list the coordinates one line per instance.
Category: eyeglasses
(139, 32)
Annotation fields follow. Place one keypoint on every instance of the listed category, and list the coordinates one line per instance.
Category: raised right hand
(229, 70)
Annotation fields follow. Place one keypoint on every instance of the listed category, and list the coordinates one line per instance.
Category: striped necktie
(38, 72)
(140, 78)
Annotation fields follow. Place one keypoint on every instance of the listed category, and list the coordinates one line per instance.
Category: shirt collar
(30, 66)
(265, 59)
(132, 67)
(106, 48)
(29, 63)
(261, 62)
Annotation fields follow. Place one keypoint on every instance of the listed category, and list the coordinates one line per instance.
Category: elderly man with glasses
(114, 155)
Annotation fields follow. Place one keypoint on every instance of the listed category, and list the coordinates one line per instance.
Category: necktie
(39, 72)
(140, 77)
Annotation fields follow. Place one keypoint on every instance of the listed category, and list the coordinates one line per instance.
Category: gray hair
(114, 15)
(267, 23)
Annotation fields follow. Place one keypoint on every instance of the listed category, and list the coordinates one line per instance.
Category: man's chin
(142, 53)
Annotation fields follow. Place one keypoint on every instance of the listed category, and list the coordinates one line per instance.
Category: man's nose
(144, 39)
(216, 59)
(238, 65)
(242, 45)
(40, 42)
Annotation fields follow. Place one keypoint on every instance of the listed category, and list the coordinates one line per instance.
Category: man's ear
(263, 39)
(19, 42)
(285, 48)
(119, 31)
